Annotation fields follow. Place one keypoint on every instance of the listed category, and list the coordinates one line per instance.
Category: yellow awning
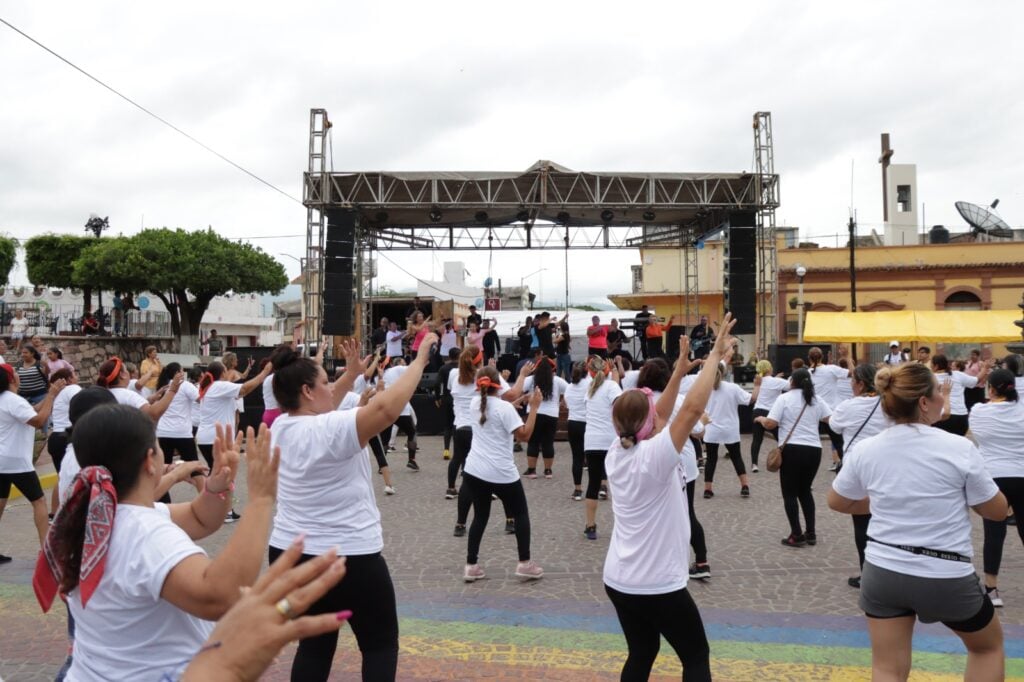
(953, 326)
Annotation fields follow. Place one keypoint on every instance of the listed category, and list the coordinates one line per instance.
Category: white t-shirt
(69, 468)
(129, 397)
(844, 389)
(688, 454)
(576, 400)
(600, 433)
(391, 375)
(16, 436)
(849, 415)
(630, 379)
(1018, 383)
(61, 406)
(825, 378)
(786, 410)
(19, 325)
(350, 401)
(127, 632)
(462, 397)
(490, 457)
(956, 394)
(998, 428)
(649, 552)
(394, 343)
(217, 407)
(723, 408)
(449, 340)
(921, 482)
(550, 406)
(269, 401)
(324, 487)
(176, 421)
(771, 389)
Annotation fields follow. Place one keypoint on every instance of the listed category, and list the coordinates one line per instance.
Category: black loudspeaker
(782, 355)
(339, 277)
(675, 332)
(740, 285)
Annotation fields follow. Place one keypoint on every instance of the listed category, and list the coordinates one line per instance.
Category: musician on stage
(616, 337)
(701, 338)
(640, 328)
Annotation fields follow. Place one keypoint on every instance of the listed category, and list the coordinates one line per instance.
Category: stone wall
(87, 353)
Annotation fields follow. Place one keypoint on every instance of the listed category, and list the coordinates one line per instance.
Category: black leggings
(512, 496)
(757, 435)
(186, 447)
(860, 535)
(207, 452)
(448, 412)
(406, 426)
(697, 541)
(995, 531)
(576, 432)
(799, 467)
(379, 453)
(646, 618)
(734, 453)
(595, 472)
(542, 440)
(368, 592)
(955, 423)
(462, 442)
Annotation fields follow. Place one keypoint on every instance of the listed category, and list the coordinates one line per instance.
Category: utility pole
(853, 279)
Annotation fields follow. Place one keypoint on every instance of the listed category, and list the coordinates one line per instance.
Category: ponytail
(212, 374)
(1003, 384)
(598, 368)
(802, 379)
(109, 372)
(487, 380)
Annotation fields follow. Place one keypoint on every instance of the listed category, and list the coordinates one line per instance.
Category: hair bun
(883, 379)
(284, 357)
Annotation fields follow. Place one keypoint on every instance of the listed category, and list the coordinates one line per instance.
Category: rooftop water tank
(938, 235)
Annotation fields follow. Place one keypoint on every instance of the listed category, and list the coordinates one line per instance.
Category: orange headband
(590, 369)
(11, 373)
(116, 372)
(485, 382)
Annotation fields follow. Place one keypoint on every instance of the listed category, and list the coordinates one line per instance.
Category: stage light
(481, 216)
(649, 215)
(435, 215)
(563, 217)
(607, 216)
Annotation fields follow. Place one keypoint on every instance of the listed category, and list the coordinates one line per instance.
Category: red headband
(204, 389)
(11, 372)
(485, 382)
(116, 372)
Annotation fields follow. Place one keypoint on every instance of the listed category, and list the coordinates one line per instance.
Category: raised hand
(176, 382)
(57, 386)
(261, 464)
(725, 340)
(536, 398)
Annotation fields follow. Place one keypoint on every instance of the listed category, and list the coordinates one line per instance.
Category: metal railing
(57, 320)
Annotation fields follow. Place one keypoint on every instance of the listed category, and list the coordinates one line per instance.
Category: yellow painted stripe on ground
(47, 481)
(611, 662)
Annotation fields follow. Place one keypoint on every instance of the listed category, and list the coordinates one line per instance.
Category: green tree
(185, 270)
(8, 254)
(50, 260)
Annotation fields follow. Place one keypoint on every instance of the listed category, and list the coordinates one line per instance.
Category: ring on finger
(284, 607)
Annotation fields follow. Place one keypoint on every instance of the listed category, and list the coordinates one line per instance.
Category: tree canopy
(50, 259)
(8, 254)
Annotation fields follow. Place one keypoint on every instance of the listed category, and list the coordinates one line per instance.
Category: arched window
(963, 300)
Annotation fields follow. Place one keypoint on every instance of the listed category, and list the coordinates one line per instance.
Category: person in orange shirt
(654, 333)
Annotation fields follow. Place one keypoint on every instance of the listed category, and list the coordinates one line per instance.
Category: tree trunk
(190, 316)
(87, 299)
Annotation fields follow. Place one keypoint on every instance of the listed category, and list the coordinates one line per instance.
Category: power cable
(150, 113)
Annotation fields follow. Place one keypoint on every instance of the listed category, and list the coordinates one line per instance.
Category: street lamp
(801, 272)
(97, 225)
(523, 279)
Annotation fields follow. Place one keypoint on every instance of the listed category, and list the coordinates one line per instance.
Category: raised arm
(385, 408)
(156, 409)
(514, 393)
(46, 405)
(354, 367)
(256, 382)
(523, 433)
(697, 397)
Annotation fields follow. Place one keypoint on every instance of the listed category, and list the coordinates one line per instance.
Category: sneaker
(50, 517)
(529, 570)
(745, 491)
(451, 494)
(993, 595)
(603, 493)
(530, 473)
(231, 517)
(391, 448)
(794, 541)
(4, 559)
(577, 495)
(510, 526)
(389, 490)
(812, 538)
(411, 464)
(854, 582)
(700, 572)
(518, 447)
(834, 467)
(493, 496)
(708, 494)
(590, 532)
(753, 468)
(1011, 520)
(547, 473)
(460, 530)
(472, 573)
(447, 455)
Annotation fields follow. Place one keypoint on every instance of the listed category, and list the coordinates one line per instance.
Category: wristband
(224, 493)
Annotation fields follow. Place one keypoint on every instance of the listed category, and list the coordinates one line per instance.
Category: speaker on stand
(339, 293)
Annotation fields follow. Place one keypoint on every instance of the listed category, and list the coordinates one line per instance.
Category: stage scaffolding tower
(312, 275)
(767, 189)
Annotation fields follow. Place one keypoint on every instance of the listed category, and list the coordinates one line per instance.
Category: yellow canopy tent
(952, 326)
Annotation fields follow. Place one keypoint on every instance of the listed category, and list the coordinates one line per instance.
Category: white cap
(894, 343)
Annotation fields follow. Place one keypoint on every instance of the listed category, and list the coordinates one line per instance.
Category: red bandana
(92, 486)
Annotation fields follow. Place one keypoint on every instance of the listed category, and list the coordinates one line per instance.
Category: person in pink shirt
(597, 338)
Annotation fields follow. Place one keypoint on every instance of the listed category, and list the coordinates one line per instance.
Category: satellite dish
(984, 220)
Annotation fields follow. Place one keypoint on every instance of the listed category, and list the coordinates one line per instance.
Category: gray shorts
(959, 603)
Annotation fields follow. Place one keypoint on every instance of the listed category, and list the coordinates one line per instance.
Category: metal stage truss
(547, 206)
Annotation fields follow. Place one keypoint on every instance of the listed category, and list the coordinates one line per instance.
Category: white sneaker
(473, 573)
(994, 597)
(753, 468)
(529, 570)
(389, 490)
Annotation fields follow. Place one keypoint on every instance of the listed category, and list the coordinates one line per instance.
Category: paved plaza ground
(771, 612)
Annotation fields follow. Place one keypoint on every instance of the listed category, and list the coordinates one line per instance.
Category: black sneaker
(411, 464)
(518, 447)
(451, 494)
(1011, 520)
(547, 473)
(590, 532)
(794, 541)
(700, 572)
(4, 559)
(745, 491)
(460, 530)
(708, 494)
(577, 495)
(510, 526)
(232, 517)
(854, 582)
(812, 538)
(530, 473)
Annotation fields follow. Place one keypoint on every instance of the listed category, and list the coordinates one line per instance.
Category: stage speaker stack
(339, 274)
(740, 285)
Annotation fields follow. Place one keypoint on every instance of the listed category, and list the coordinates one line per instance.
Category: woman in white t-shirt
(575, 398)
(57, 441)
(767, 389)
(217, 403)
(231, 373)
(600, 434)
(116, 376)
(18, 423)
(724, 429)
(957, 421)
(19, 326)
(796, 415)
(174, 430)
(855, 420)
(826, 380)
(996, 427)
(542, 440)
(142, 593)
(919, 485)
(490, 469)
(326, 491)
(646, 569)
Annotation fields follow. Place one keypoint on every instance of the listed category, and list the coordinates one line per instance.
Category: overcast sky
(483, 86)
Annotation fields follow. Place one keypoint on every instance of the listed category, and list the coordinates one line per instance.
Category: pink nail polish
(343, 615)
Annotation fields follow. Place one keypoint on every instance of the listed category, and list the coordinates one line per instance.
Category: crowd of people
(144, 601)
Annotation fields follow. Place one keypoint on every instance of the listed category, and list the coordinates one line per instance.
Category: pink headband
(647, 430)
